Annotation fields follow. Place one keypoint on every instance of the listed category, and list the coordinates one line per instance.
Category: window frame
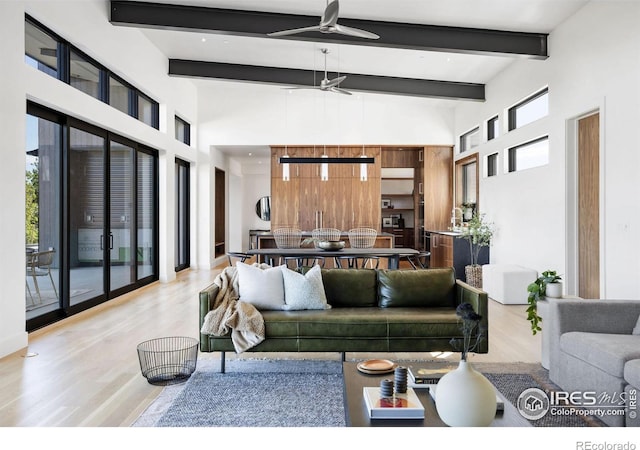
(187, 130)
(63, 56)
(492, 164)
(491, 130)
(512, 113)
(512, 153)
(464, 136)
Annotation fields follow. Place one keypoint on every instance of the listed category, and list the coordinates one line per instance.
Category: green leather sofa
(372, 310)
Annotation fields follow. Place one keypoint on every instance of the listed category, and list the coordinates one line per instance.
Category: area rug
(253, 393)
(302, 393)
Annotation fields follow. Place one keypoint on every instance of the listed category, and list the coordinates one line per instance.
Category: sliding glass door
(42, 214)
(91, 216)
(89, 241)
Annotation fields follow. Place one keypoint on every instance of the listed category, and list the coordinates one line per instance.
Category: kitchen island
(449, 250)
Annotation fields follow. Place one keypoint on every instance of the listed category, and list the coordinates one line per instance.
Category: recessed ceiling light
(204, 39)
(250, 154)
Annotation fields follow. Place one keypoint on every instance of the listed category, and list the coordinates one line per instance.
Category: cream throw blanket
(228, 313)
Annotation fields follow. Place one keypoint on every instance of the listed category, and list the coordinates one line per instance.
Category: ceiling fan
(329, 24)
(326, 84)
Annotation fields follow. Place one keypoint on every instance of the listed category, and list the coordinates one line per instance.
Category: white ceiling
(513, 15)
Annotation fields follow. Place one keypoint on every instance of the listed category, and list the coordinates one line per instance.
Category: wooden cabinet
(402, 237)
(343, 201)
(438, 187)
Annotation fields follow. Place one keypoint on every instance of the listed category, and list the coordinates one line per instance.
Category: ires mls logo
(533, 404)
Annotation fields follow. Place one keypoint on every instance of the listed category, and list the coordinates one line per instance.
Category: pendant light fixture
(324, 167)
(363, 167)
(285, 166)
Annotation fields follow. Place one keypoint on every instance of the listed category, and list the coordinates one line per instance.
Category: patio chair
(39, 265)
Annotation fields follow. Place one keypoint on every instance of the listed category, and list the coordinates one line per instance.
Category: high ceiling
(200, 41)
(374, 66)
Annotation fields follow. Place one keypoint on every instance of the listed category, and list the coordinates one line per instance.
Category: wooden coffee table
(356, 410)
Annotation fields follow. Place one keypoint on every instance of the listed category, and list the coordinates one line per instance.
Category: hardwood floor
(84, 371)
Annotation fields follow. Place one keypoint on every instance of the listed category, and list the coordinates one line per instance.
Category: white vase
(465, 398)
(553, 290)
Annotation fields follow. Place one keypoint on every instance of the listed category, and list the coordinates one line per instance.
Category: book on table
(427, 376)
(400, 406)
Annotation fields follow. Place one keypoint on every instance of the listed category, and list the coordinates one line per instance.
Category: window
(529, 110)
(493, 128)
(466, 175)
(183, 131)
(492, 165)
(470, 140)
(84, 75)
(148, 111)
(41, 49)
(50, 54)
(182, 237)
(120, 95)
(531, 154)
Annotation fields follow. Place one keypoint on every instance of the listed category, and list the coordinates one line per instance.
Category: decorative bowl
(331, 245)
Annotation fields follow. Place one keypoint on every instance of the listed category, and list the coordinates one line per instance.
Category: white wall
(127, 52)
(594, 64)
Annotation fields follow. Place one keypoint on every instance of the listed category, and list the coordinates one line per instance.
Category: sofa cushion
(636, 329)
(632, 373)
(411, 288)
(263, 288)
(350, 287)
(303, 291)
(607, 352)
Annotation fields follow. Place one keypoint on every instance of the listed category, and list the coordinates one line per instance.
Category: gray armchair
(592, 348)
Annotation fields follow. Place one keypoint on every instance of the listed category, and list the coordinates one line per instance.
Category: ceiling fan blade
(335, 81)
(341, 29)
(339, 90)
(294, 31)
(330, 15)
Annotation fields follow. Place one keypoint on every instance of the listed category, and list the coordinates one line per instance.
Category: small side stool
(506, 283)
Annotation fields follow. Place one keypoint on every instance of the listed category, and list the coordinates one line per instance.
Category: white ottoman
(507, 284)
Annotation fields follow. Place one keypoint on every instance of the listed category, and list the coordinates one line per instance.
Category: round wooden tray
(376, 366)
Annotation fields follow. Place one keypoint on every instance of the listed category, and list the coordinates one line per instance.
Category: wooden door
(589, 207)
(438, 187)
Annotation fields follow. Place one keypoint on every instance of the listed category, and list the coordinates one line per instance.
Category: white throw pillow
(263, 288)
(636, 330)
(304, 291)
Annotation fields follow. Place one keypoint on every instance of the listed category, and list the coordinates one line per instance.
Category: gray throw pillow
(636, 330)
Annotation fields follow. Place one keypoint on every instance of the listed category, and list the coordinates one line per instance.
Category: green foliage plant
(478, 232)
(537, 290)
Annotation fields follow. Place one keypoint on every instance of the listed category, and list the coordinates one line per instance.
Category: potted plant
(478, 233)
(468, 209)
(546, 285)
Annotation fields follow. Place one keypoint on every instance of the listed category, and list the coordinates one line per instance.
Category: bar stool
(420, 260)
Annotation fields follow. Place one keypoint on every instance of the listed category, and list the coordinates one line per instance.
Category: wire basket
(362, 237)
(325, 234)
(168, 360)
(287, 237)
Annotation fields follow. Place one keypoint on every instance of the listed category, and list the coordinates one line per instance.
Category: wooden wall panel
(438, 187)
